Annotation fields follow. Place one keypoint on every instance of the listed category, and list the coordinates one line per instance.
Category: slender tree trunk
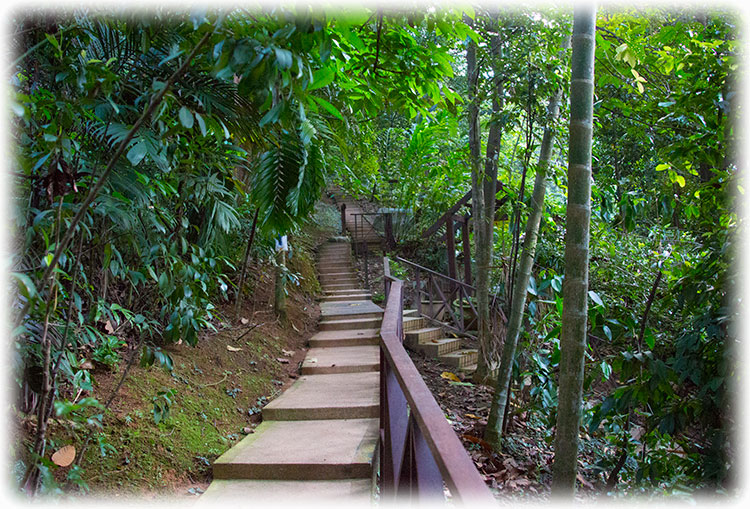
(575, 285)
(487, 181)
(495, 424)
(238, 300)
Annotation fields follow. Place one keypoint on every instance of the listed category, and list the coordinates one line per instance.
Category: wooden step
(303, 450)
(460, 358)
(328, 396)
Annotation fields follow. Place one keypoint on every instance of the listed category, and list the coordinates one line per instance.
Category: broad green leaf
(283, 58)
(186, 117)
(137, 153)
(595, 297)
(330, 108)
(321, 78)
(201, 123)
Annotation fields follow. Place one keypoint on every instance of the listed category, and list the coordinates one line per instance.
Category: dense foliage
(145, 144)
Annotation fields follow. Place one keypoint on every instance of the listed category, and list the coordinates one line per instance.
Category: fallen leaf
(87, 365)
(476, 440)
(65, 456)
(449, 376)
(282, 360)
(244, 321)
(288, 353)
(108, 327)
(472, 416)
(233, 348)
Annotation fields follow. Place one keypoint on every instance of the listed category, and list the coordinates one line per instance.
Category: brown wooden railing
(451, 297)
(419, 451)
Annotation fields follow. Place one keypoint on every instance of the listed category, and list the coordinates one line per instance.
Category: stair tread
(328, 396)
(268, 491)
(304, 450)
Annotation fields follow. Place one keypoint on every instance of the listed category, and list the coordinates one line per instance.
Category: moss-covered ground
(216, 390)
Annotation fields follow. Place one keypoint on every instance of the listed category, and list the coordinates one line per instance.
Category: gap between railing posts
(419, 450)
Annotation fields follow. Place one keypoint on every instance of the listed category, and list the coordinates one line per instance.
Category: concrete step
(345, 359)
(339, 281)
(350, 324)
(333, 259)
(327, 396)
(416, 336)
(303, 450)
(324, 270)
(460, 358)
(413, 323)
(281, 493)
(324, 281)
(468, 370)
(343, 310)
(337, 275)
(345, 291)
(346, 298)
(436, 347)
(335, 338)
(340, 286)
(336, 248)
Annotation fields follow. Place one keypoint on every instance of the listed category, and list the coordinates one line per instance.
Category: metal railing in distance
(419, 451)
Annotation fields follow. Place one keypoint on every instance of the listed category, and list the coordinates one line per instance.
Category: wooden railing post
(467, 251)
(418, 287)
(343, 219)
(450, 246)
(390, 241)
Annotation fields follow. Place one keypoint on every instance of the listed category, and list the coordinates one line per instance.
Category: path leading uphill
(317, 440)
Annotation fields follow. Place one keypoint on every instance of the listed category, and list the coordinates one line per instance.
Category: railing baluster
(429, 480)
(418, 281)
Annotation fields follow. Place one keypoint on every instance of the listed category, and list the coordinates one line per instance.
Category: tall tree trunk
(575, 285)
(486, 185)
(494, 430)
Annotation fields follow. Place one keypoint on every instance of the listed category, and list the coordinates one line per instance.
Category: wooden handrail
(420, 450)
(438, 274)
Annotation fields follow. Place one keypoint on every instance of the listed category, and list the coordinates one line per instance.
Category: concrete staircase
(317, 440)
(432, 342)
